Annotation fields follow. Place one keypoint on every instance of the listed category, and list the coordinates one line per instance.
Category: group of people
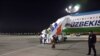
(91, 42)
(43, 38)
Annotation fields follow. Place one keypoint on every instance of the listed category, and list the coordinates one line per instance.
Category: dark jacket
(92, 39)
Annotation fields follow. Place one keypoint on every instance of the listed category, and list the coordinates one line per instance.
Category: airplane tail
(56, 28)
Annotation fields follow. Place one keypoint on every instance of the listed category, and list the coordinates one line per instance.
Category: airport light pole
(72, 9)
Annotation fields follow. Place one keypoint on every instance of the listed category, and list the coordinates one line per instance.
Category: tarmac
(27, 47)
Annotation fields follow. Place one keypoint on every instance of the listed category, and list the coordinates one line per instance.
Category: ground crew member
(91, 43)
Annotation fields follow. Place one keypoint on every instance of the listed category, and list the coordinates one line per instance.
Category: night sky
(36, 15)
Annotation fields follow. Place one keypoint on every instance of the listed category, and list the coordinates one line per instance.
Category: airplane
(84, 22)
(76, 23)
